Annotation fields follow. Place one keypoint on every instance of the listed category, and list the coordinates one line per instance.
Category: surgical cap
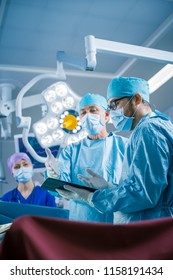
(123, 86)
(95, 99)
(14, 158)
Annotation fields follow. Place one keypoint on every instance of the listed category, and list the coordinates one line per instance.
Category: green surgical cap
(128, 86)
(95, 99)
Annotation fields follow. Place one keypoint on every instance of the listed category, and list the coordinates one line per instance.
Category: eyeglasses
(114, 103)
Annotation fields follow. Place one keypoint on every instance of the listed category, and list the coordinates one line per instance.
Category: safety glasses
(114, 103)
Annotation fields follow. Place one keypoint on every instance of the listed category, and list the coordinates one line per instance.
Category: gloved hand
(70, 192)
(96, 181)
(51, 165)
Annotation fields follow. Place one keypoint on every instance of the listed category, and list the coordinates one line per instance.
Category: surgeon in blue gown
(100, 151)
(145, 190)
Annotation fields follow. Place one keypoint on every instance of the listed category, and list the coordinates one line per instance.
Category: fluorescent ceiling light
(161, 77)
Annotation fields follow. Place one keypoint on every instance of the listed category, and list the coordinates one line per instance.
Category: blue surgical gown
(145, 190)
(105, 157)
(38, 196)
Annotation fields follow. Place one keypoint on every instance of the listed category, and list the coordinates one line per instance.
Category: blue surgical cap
(128, 86)
(95, 99)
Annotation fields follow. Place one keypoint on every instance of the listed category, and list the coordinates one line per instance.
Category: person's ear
(137, 98)
(107, 116)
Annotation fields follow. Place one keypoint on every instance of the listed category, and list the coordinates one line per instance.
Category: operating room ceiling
(32, 31)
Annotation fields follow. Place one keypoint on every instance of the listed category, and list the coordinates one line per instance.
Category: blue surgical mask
(120, 121)
(92, 123)
(23, 175)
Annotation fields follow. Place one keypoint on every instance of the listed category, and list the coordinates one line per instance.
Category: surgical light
(46, 141)
(60, 121)
(56, 107)
(50, 96)
(58, 136)
(52, 123)
(40, 128)
(69, 120)
(61, 125)
(68, 102)
(61, 90)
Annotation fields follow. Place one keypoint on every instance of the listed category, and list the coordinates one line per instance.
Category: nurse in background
(21, 168)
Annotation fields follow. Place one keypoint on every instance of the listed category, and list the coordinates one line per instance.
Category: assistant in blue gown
(104, 155)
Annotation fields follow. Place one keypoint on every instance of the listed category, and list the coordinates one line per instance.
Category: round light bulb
(46, 140)
(41, 128)
(50, 95)
(52, 123)
(58, 135)
(61, 90)
(57, 107)
(68, 102)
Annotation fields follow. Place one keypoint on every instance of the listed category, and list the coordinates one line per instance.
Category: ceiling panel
(32, 31)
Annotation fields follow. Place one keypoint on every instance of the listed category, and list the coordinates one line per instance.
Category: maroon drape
(56, 239)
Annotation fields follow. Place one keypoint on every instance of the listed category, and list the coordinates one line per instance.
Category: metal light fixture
(94, 45)
(61, 125)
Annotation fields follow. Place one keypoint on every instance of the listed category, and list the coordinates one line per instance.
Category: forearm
(124, 199)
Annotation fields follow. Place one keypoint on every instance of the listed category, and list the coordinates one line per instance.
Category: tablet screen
(53, 184)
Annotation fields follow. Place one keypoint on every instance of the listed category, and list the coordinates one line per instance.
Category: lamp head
(61, 125)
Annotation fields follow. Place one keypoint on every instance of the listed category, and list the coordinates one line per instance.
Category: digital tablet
(51, 184)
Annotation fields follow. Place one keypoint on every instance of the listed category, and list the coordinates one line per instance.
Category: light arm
(19, 118)
(94, 45)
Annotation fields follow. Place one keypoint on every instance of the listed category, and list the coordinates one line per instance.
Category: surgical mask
(120, 121)
(23, 175)
(92, 123)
